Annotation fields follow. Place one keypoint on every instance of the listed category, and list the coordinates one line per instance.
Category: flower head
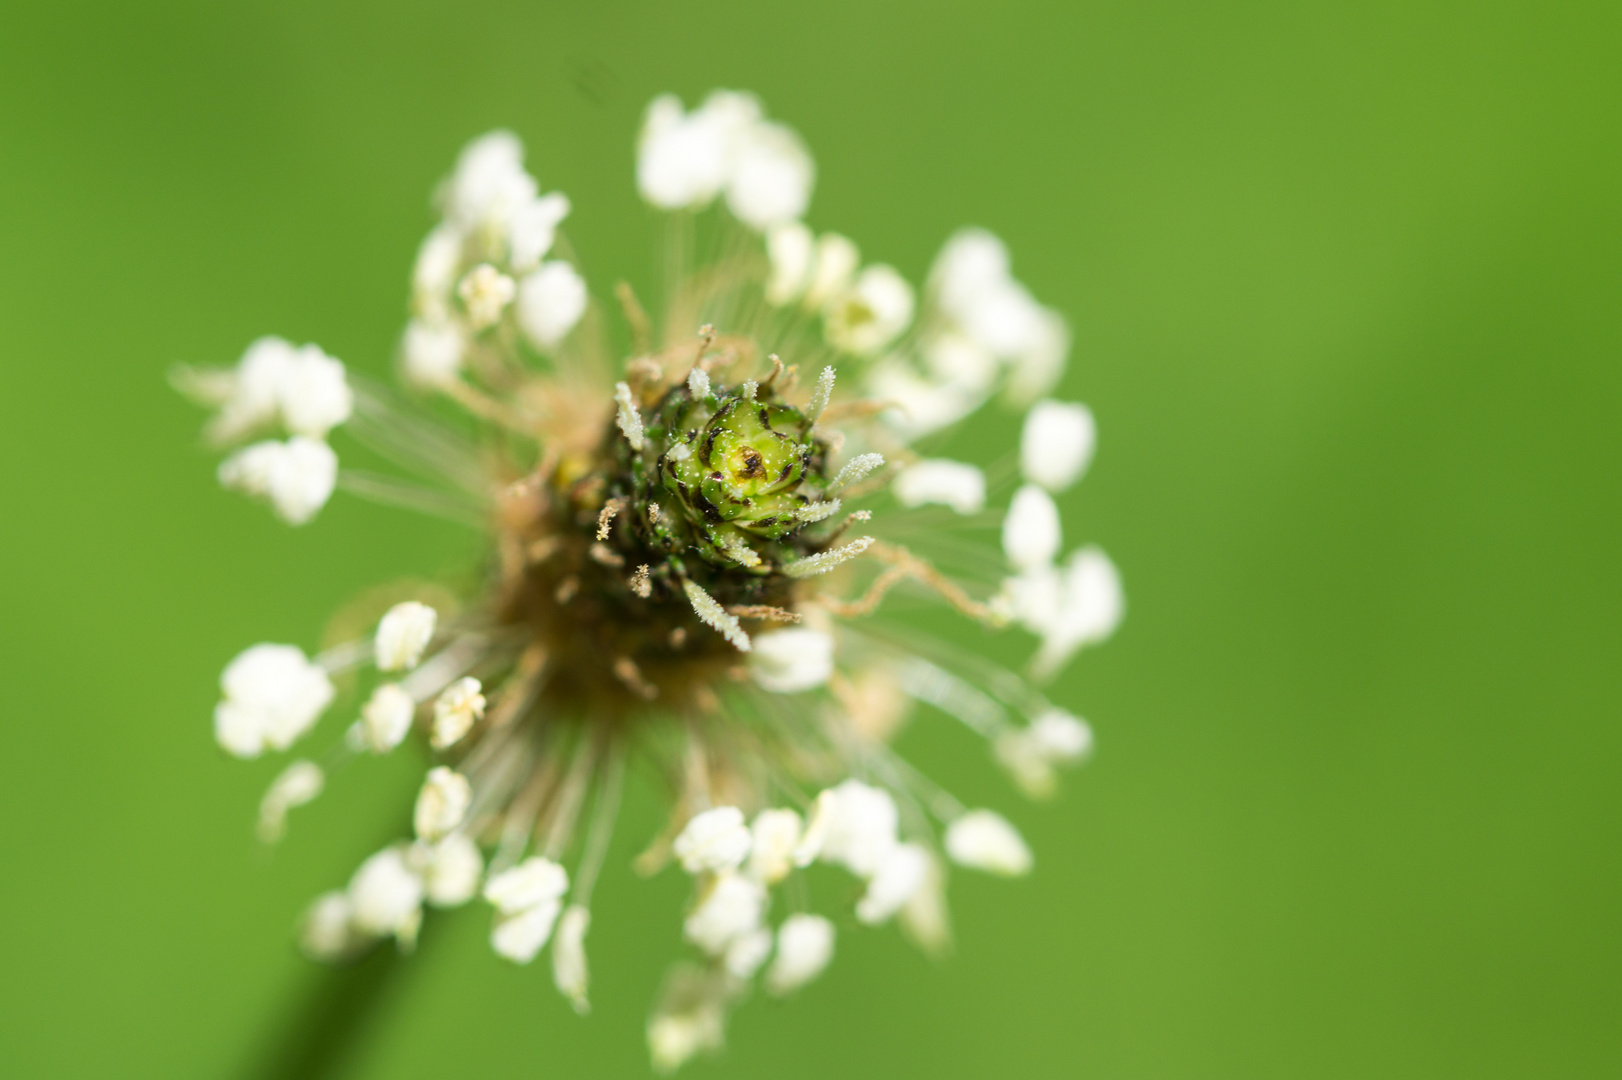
(690, 554)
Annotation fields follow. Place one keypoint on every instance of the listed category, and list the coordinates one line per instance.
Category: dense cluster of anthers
(688, 549)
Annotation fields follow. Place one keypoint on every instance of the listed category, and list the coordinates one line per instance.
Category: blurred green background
(1346, 282)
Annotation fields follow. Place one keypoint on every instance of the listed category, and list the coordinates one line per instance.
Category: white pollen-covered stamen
(716, 617)
(450, 870)
(485, 293)
(745, 956)
(313, 393)
(431, 352)
(900, 874)
(770, 176)
(730, 908)
(984, 840)
(698, 384)
(297, 785)
(296, 477)
(774, 835)
(749, 389)
(805, 945)
(936, 480)
(858, 823)
(403, 633)
(820, 395)
(519, 937)
(442, 804)
(791, 661)
(817, 824)
(715, 839)
(272, 695)
(628, 418)
(1031, 754)
(824, 561)
(1030, 532)
(386, 896)
(535, 881)
(551, 302)
(569, 971)
(456, 710)
(856, 469)
(386, 717)
(532, 229)
(1056, 443)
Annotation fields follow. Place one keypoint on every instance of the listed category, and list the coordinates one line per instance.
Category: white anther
(774, 835)
(485, 293)
(456, 710)
(936, 480)
(714, 839)
(272, 695)
(793, 660)
(297, 785)
(984, 840)
(403, 633)
(386, 717)
(805, 945)
(569, 971)
(1030, 532)
(551, 302)
(731, 907)
(900, 874)
(698, 384)
(1056, 443)
(442, 804)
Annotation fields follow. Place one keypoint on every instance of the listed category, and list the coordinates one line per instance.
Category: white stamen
(532, 229)
(837, 258)
(569, 971)
(949, 483)
(402, 635)
(817, 824)
(903, 870)
(770, 177)
(450, 870)
(861, 827)
(297, 785)
(456, 710)
(745, 955)
(805, 945)
(730, 908)
(296, 477)
(1056, 443)
(715, 839)
(793, 660)
(984, 840)
(551, 302)
(698, 384)
(442, 803)
(715, 616)
(1030, 532)
(855, 469)
(825, 561)
(819, 397)
(628, 419)
(774, 835)
(328, 933)
(485, 293)
(313, 393)
(273, 694)
(520, 936)
(789, 250)
(431, 353)
(386, 717)
(533, 882)
(386, 896)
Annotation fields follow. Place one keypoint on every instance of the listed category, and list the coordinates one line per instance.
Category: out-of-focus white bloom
(296, 477)
(385, 896)
(490, 183)
(832, 268)
(1057, 443)
(249, 397)
(313, 393)
(327, 932)
(745, 955)
(731, 907)
(771, 176)
(298, 784)
(520, 936)
(402, 634)
(1036, 370)
(984, 840)
(689, 1020)
(805, 944)
(715, 839)
(924, 917)
(775, 835)
(439, 259)
(569, 971)
(899, 875)
(815, 834)
(550, 302)
(457, 708)
(431, 352)
(877, 307)
(1090, 609)
(485, 293)
(536, 880)
(792, 660)
(972, 262)
(1031, 754)
(386, 717)
(790, 248)
(450, 869)
(684, 160)
(533, 227)
(861, 827)
(937, 480)
(971, 283)
(1030, 532)
(272, 695)
(528, 898)
(442, 803)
